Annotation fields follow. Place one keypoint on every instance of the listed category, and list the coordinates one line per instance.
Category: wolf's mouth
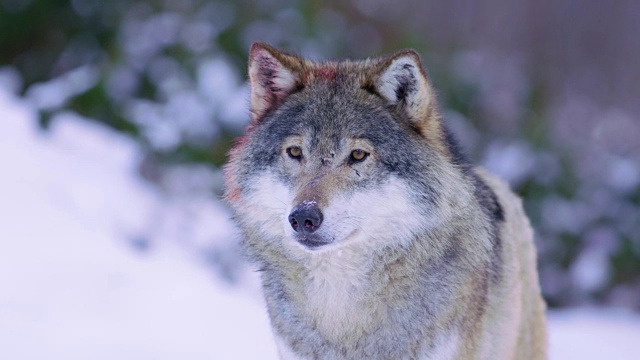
(312, 242)
(315, 242)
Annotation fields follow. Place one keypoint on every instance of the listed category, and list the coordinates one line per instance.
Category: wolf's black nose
(306, 217)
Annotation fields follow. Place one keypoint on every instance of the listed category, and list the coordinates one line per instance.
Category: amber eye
(295, 152)
(358, 155)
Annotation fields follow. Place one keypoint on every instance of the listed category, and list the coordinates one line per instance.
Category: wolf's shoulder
(506, 197)
(515, 222)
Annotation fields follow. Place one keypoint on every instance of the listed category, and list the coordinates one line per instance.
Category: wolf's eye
(358, 155)
(294, 152)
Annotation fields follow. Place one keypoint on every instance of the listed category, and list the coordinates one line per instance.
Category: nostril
(294, 223)
(308, 223)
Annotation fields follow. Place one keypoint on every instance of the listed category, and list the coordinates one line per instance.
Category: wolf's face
(338, 153)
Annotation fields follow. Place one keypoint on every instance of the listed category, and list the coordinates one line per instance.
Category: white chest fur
(336, 295)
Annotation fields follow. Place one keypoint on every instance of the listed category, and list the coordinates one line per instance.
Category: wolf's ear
(401, 80)
(272, 76)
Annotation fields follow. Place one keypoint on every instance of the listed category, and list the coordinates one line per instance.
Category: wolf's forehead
(326, 141)
(327, 122)
(326, 117)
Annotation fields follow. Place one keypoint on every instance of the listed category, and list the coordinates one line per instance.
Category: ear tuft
(272, 78)
(403, 82)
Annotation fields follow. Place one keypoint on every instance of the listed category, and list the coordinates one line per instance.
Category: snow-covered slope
(72, 287)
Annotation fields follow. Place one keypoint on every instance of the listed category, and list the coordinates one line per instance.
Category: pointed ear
(402, 81)
(273, 76)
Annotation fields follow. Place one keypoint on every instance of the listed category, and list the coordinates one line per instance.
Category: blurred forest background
(543, 93)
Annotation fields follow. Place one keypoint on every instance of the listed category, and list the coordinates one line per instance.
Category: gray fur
(455, 278)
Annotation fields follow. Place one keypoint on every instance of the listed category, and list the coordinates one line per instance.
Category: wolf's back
(516, 308)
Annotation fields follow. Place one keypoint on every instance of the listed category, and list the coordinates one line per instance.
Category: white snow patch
(55, 93)
(594, 334)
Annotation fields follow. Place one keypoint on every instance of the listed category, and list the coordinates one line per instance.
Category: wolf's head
(340, 153)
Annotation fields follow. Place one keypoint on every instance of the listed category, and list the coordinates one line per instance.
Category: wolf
(374, 236)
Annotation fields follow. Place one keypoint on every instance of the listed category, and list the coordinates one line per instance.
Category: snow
(55, 93)
(73, 287)
(594, 334)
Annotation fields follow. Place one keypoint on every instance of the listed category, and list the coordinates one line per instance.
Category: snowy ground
(72, 286)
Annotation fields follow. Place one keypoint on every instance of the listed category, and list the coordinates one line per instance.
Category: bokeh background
(118, 115)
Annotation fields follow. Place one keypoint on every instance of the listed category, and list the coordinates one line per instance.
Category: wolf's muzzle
(306, 217)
